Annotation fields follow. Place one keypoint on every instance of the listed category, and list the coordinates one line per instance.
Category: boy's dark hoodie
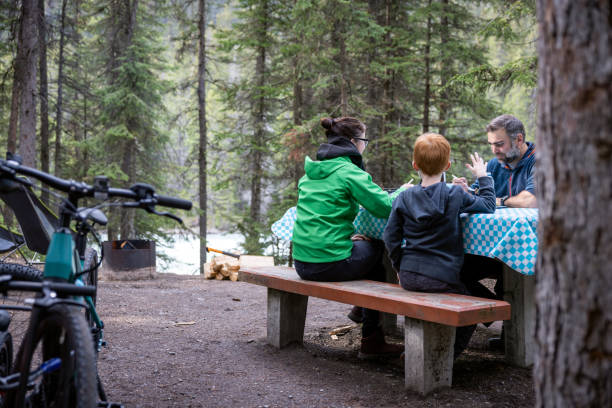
(423, 234)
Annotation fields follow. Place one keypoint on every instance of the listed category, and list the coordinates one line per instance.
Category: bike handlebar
(173, 202)
(85, 190)
(58, 287)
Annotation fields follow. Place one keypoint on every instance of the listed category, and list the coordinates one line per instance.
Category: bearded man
(514, 167)
(513, 172)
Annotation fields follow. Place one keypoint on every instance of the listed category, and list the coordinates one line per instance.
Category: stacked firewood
(222, 267)
(226, 267)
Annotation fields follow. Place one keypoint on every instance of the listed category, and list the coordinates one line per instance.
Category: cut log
(224, 271)
(208, 271)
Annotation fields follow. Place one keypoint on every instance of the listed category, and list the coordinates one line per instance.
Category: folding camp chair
(10, 242)
(37, 222)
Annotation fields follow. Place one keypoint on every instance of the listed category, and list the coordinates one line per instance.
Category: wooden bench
(430, 318)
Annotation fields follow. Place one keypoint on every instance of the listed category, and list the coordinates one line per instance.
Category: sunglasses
(366, 141)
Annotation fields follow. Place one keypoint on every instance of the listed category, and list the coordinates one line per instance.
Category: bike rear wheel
(62, 333)
(91, 262)
(91, 278)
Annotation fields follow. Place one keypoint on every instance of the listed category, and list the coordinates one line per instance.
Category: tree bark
(202, 124)
(339, 39)
(128, 166)
(60, 82)
(259, 115)
(127, 229)
(573, 362)
(11, 145)
(28, 44)
(44, 93)
(427, 96)
(388, 169)
(445, 70)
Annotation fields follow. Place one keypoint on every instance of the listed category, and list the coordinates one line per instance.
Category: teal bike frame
(64, 263)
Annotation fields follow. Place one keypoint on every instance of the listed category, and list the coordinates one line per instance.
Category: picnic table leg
(286, 317)
(428, 355)
(519, 291)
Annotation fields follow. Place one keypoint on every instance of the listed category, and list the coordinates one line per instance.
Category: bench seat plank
(447, 309)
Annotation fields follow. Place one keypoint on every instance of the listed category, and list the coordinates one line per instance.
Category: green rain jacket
(329, 198)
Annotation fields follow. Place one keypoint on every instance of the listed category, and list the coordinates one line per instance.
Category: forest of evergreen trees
(158, 90)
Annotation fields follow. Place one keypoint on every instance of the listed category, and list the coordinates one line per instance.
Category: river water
(185, 251)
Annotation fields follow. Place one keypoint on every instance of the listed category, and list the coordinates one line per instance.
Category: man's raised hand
(478, 167)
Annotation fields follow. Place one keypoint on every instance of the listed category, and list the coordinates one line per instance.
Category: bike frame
(66, 257)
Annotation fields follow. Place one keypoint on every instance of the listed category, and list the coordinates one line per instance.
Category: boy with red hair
(423, 235)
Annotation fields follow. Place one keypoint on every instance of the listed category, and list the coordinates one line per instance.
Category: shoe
(356, 314)
(375, 346)
(497, 344)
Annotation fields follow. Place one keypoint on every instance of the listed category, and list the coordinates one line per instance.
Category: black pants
(365, 262)
(421, 283)
(476, 268)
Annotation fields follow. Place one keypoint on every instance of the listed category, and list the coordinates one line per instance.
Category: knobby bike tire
(62, 332)
(90, 262)
(6, 358)
(19, 318)
(91, 279)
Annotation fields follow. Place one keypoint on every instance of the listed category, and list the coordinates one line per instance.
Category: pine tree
(254, 95)
(131, 100)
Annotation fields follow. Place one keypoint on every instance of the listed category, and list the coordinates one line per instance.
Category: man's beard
(513, 154)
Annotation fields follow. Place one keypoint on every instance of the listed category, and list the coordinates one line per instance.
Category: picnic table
(509, 234)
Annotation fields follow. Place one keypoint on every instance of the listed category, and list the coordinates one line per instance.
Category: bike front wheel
(62, 333)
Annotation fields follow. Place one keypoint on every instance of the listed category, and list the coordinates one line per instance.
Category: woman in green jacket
(325, 247)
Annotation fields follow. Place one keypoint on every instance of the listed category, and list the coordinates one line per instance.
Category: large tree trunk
(128, 163)
(28, 39)
(202, 123)
(573, 364)
(259, 119)
(427, 79)
(11, 145)
(60, 83)
(338, 38)
(127, 229)
(445, 70)
(388, 173)
(44, 93)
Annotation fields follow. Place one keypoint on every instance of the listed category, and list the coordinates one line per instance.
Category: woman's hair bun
(327, 123)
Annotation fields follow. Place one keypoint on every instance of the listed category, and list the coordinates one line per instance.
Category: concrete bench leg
(286, 317)
(428, 355)
(519, 291)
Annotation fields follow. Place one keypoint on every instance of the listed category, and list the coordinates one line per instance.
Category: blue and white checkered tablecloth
(509, 234)
(365, 223)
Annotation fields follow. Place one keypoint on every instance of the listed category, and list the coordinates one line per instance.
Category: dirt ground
(180, 341)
